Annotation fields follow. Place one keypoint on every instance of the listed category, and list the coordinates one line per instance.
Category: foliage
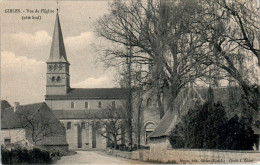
(237, 135)
(24, 156)
(207, 127)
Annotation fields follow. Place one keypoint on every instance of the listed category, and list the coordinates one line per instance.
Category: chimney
(16, 104)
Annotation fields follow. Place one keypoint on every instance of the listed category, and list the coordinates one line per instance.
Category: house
(32, 125)
(11, 131)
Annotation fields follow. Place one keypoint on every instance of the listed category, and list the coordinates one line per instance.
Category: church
(78, 108)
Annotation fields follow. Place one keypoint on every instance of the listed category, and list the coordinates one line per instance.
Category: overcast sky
(25, 47)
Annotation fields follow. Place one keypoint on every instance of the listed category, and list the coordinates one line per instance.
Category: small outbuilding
(32, 125)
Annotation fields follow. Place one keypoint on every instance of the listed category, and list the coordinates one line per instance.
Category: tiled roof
(4, 104)
(92, 93)
(167, 122)
(11, 119)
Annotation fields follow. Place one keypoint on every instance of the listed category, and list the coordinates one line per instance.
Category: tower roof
(58, 52)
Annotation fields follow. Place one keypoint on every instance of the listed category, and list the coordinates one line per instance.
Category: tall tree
(231, 29)
(161, 39)
(111, 124)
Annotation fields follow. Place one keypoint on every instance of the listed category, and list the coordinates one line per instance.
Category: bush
(236, 135)
(207, 127)
(23, 156)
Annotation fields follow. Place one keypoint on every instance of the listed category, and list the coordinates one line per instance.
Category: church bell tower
(57, 77)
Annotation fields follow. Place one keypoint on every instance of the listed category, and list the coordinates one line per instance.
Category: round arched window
(58, 79)
(53, 79)
(149, 128)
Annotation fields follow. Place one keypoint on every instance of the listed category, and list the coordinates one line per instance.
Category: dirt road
(95, 157)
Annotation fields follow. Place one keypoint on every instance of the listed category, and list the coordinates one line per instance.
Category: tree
(161, 40)
(206, 126)
(39, 125)
(237, 135)
(231, 29)
(138, 113)
(111, 124)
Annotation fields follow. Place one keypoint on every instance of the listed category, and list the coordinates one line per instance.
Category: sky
(25, 47)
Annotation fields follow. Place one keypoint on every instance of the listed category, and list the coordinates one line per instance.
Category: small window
(86, 104)
(50, 67)
(149, 102)
(72, 105)
(99, 104)
(58, 79)
(7, 141)
(113, 104)
(69, 125)
(53, 79)
(55, 67)
(60, 67)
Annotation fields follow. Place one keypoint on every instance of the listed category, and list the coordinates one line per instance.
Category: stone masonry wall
(16, 136)
(191, 156)
(80, 104)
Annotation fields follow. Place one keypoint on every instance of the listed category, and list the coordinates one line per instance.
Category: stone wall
(86, 133)
(80, 104)
(191, 156)
(15, 135)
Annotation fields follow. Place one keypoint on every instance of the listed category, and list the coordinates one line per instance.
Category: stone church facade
(79, 108)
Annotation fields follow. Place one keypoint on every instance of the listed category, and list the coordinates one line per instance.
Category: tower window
(149, 102)
(58, 79)
(113, 104)
(69, 125)
(86, 104)
(60, 67)
(55, 67)
(50, 67)
(72, 105)
(53, 79)
(99, 104)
